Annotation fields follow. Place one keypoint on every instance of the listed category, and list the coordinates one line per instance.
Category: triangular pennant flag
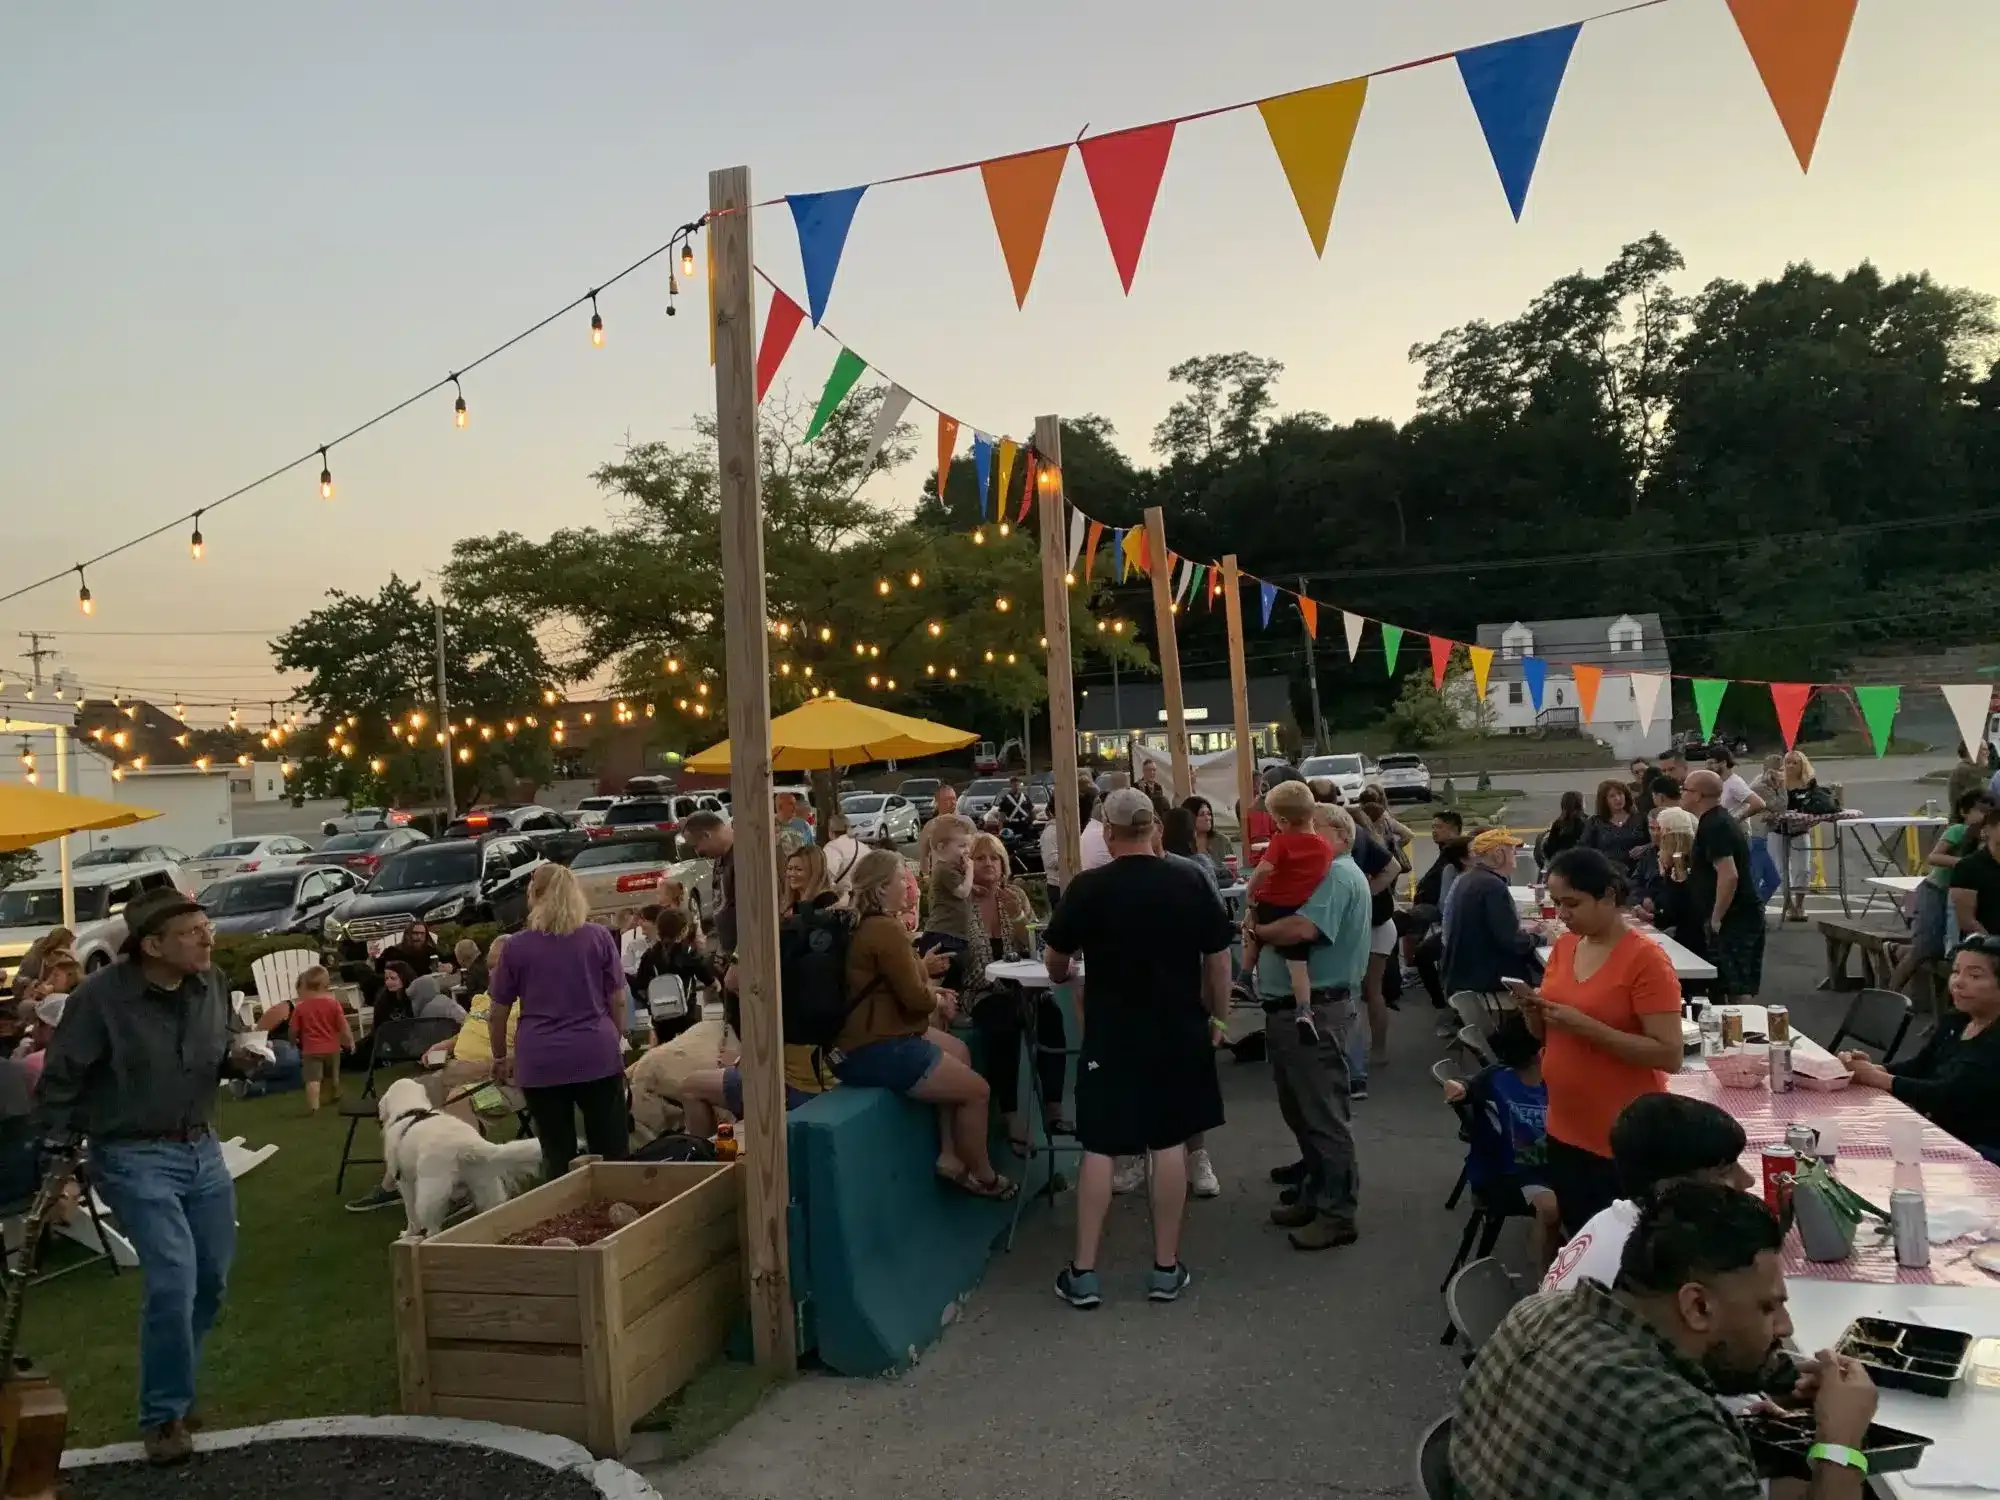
(1789, 699)
(1312, 131)
(1213, 582)
(781, 326)
(846, 370)
(1021, 190)
(1878, 705)
(1309, 612)
(1392, 643)
(1353, 624)
(1797, 45)
(1646, 689)
(1003, 475)
(1708, 693)
(1587, 681)
(1269, 593)
(1440, 659)
(894, 404)
(1121, 550)
(1090, 551)
(1142, 560)
(947, 445)
(1513, 85)
(1535, 672)
(1027, 486)
(1186, 579)
(1076, 530)
(1482, 664)
(1968, 702)
(982, 466)
(822, 220)
(1125, 170)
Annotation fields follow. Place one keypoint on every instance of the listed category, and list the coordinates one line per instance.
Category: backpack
(812, 974)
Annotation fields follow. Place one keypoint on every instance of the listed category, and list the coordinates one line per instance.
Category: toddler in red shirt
(1294, 863)
(320, 1030)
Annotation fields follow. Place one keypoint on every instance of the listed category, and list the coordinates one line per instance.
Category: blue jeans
(283, 1073)
(1764, 873)
(175, 1202)
(1357, 1044)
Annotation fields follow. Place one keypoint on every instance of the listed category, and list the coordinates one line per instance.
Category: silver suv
(30, 908)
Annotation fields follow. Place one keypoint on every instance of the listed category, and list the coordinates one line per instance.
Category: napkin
(1954, 1221)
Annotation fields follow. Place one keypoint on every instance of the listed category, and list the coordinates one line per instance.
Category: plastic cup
(1906, 1140)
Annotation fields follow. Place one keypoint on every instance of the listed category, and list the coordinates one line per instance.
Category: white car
(626, 873)
(1405, 778)
(29, 908)
(979, 796)
(365, 820)
(876, 818)
(244, 857)
(591, 810)
(1348, 772)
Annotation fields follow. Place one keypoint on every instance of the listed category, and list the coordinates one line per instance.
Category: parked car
(880, 818)
(591, 810)
(296, 898)
(131, 854)
(365, 820)
(242, 856)
(363, 853)
(626, 872)
(659, 814)
(1348, 772)
(1042, 791)
(513, 817)
(979, 796)
(29, 908)
(450, 880)
(1405, 778)
(921, 792)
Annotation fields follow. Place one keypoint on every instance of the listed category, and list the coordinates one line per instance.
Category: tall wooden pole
(1239, 695)
(1170, 652)
(1055, 625)
(747, 654)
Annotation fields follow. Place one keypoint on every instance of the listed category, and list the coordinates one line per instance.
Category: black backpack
(812, 974)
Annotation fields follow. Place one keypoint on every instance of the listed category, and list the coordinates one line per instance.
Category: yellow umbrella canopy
(824, 733)
(33, 815)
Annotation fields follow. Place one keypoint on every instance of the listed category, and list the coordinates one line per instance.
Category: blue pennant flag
(1534, 672)
(982, 465)
(822, 220)
(1513, 85)
(1270, 593)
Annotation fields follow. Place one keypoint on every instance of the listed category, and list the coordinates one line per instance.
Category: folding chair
(1445, 1073)
(1473, 1040)
(1475, 1010)
(1477, 1298)
(1875, 1018)
(396, 1042)
(1434, 1480)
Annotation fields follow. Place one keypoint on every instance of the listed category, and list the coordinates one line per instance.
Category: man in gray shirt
(135, 1067)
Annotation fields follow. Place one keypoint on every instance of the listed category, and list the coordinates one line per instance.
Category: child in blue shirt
(1506, 1111)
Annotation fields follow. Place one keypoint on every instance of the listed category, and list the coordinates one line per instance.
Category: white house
(1616, 645)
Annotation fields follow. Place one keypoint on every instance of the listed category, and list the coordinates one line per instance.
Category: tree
(19, 864)
(1224, 412)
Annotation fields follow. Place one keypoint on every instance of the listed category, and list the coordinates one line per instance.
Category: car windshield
(235, 849)
(107, 857)
(862, 804)
(348, 842)
(640, 810)
(925, 786)
(992, 787)
(428, 869)
(634, 852)
(1330, 765)
(232, 898)
(44, 908)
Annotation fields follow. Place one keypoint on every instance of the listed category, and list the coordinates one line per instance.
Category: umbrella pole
(62, 844)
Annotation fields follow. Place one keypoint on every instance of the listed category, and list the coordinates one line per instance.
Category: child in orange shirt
(1294, 863)
(319, 1027)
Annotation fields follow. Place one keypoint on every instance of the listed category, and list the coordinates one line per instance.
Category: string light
(459, 415)
(952, 673)
(687, 257)
(916, 580)
(825, 634)
(195, 544)
(1005, 529)
(375, 767)
(882, 586)
(83, 593)
(1003, 604)
(873, 680)
(673, 291)
(180, 711)
(859, 649)
(1010, 658)
(979, 536)
(892, 684)
(935, 629)
(989, 656)
(1069, 580)
(596, 322)
(464, 753)
(325, 475)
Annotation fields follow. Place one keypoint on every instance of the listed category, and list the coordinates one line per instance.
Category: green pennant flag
(1392, 642)
(1708, 693)
(1878, 709)
(846, 370)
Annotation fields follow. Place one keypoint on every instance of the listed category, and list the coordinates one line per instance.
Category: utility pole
(1312, 677)
(444, 720)
(37, 652)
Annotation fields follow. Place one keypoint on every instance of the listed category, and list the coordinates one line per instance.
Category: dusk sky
(236, 230)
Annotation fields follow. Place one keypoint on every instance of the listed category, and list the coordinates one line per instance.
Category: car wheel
(327, 829)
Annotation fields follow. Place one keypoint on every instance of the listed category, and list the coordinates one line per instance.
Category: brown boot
(1293, 1215)
(169, 1443)
(1324, 1234)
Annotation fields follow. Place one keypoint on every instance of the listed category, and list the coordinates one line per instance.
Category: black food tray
(1908, 1356)
(1781, 1443)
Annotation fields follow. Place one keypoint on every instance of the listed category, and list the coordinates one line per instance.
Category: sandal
(997, 1187)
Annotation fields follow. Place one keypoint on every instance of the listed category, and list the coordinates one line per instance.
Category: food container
(1740, 1069)
(1908, 1356)
(1820, 1085)
(1781, 1443)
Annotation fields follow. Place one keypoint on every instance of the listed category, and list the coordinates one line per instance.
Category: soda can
(1911, 1228)
(1781, 1071)
(1732, 1026)
(1229, 864)
(1711, 1031)
(1777, 1024)
(1801, 1138)
(1781, 1170)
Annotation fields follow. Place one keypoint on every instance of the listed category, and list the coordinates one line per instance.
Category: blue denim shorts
(732, 1093)
(898, 1064)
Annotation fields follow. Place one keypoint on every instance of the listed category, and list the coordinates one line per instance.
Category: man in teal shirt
(1313, 1078)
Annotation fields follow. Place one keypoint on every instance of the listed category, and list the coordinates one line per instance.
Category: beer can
(1732, 1026)
(1711, 1031)
(1801, 1138)
(1777, 1024)
(1781, 1071)
(1781, 1168)
(1911, 1228)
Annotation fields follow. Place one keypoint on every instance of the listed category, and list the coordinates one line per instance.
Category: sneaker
(1293, 1215)
(1358, 1091)
(1078, 1288)
(1164, 1286)
(1292, 1175)
(169, 1443)
(1324, 1234)
(1308, 1028)
(375, 1198)
(1130, 1175)
(1202, 1181)
(1289, 1196)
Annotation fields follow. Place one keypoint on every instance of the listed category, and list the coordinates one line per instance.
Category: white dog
(428, 1156)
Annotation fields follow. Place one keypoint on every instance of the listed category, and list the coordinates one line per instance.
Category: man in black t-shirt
(1719, 884)
(1975, 883)
(1155, 943)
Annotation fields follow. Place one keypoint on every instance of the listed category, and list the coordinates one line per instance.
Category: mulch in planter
(333, 1468)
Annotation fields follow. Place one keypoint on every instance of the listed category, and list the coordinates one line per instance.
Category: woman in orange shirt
(1609, 1014)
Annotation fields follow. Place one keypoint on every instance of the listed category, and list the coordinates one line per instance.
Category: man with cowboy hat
(134, 1069)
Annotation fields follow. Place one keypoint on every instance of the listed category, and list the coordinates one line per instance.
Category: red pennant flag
(1021, 190)
(1587, 681)
(1440, 659)
(1090, 547)
(1796, 45)
(1027, 487)
(781, 325)
(1790, 698)
(947, 444)
(1144, 561)
(1125, 170)
(1309, 610)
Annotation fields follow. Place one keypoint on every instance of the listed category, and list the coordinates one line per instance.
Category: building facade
(1108, 716)
(1617, 645)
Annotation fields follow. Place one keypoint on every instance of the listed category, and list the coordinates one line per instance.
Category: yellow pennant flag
(1482, 663)
(1135, 553)
(1312, 131)
(1003, 471)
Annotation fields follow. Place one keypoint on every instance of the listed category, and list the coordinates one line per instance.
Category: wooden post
(1239, 698)
(1170, 652)
(747, 654)
(1055, 625)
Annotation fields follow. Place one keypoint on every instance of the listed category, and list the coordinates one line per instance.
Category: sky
(236, 230)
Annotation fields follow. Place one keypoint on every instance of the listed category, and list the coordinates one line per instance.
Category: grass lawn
(306, 1328)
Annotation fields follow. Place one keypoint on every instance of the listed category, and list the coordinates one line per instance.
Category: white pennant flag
(894, 404)
(1968, 703)
(1646, 688)
(1187, 577)
(1077, 528)
(1355, 625)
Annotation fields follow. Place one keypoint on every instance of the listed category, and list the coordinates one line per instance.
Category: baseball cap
(1489, 839)
(149, 912)
(1128, 808)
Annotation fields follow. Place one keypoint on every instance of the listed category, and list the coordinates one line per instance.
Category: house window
(1516, 641)
(1514, 693)
(1626, 634)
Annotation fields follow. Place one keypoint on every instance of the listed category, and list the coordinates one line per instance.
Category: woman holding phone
(1609, 1015)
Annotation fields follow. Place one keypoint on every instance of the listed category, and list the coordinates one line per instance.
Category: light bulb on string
(952, 673)
(916, 580)
(935, 628)
(596, 322)
(1005, 529)
(989, 656)
(325, 476)
(825, 634)
(882, 586)
(1010, 658)
(979, 536)
(83, 601)
(1069, 580)
(892, 684)
(195, 544)
(1003, 604)
(873, 680)
(687, 257)
(459, 415)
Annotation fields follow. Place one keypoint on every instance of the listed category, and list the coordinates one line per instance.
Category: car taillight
(600, 832)
(629, 883)
(366, 862)
(246, 867)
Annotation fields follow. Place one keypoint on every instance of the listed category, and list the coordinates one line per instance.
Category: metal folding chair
(1875, 1018)
(1477, 1298)
(1434, 1480)
(1444, 1073)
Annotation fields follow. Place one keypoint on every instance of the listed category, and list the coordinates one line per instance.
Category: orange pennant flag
(1021, 190)
(1797, 46)
(947, 445)
(1312, 131)
(1587, 681)
(1090, 547)
(1482, 663)
(1309, 609)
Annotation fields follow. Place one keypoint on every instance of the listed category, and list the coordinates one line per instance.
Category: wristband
(1219, 1026)
(1833, 1453)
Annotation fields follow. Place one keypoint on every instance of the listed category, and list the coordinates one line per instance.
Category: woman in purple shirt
(565, 973)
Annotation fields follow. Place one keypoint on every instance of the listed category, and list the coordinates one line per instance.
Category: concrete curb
(613, 1480)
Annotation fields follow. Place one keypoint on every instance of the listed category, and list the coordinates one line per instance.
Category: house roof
(1586, 640)
(1140, 702)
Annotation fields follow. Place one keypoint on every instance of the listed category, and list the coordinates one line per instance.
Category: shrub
(235, 953)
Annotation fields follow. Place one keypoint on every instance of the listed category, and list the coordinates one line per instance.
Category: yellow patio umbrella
(826, 733)
(33, 815)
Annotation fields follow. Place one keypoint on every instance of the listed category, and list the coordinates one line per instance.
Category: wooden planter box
(578, 1342)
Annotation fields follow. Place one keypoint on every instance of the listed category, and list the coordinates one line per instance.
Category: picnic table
(1687, 963)
(1885, 858)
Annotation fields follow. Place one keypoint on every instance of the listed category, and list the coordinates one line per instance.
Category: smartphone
(1517, 986)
